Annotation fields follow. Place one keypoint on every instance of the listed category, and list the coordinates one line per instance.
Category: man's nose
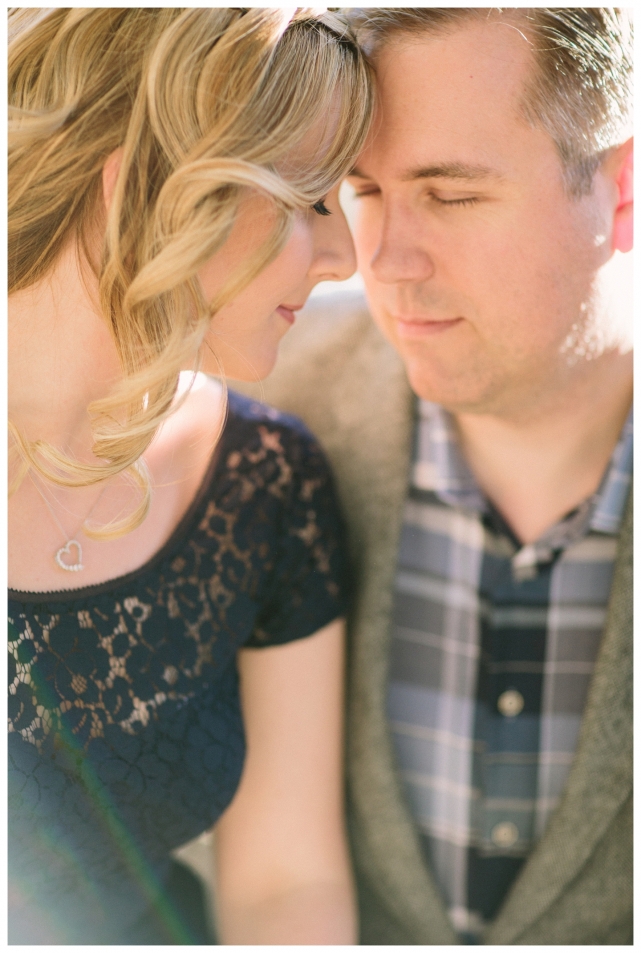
(401, 254)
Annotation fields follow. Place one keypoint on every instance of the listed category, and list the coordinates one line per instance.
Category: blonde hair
(205, 104)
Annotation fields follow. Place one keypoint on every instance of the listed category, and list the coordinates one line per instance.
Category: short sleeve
(309, 583)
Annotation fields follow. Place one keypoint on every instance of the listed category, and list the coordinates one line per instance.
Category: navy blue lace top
(125, 728)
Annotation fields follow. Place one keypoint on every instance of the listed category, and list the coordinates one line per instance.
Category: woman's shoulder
(205, 424)
(274, 449)
(211, 432)
(249, 458)
(254, 416)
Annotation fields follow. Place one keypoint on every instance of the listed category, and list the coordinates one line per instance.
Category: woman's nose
(334, 254)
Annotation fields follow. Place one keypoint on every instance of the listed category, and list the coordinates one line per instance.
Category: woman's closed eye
(320, 208)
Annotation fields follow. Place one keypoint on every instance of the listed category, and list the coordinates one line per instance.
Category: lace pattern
(128, 690)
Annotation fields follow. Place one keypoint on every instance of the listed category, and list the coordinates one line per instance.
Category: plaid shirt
(493, 647)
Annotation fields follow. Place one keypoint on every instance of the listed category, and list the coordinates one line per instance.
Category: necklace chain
(65, 551)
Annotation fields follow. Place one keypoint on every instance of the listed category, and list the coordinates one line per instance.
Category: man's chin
(443, 374)
(455, 390)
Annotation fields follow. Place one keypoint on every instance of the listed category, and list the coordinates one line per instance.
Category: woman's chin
(251, 368)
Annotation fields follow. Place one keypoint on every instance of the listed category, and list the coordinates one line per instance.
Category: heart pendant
(65, 551)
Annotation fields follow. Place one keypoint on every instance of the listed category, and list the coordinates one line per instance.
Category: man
(485, 476)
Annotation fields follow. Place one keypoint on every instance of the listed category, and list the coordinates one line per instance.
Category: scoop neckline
(179, 531)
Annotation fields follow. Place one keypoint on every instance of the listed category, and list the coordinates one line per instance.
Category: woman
(174, 558)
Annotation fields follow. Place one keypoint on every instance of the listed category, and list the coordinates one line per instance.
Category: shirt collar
(439, 466)
(611, 496)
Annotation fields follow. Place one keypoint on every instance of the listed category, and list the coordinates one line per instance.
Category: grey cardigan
(338, 374)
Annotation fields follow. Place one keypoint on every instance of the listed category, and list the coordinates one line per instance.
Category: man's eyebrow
(444, 170)
(451, 170)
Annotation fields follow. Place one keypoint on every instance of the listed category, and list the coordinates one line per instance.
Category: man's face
(478, 266)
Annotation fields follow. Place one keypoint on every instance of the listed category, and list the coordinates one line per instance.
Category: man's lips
(418, 328)
(287, 311)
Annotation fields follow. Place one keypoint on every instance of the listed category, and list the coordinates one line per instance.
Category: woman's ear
(622, 231)
(110, 171)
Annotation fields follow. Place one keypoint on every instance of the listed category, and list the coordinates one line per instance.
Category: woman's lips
(416, 330)
(287, 311)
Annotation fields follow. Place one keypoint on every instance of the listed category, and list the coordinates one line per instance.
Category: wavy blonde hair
(205, 104)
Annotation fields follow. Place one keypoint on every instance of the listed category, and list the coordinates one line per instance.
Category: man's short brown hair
(581, 90)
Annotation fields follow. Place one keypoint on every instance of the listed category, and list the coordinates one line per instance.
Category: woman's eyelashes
(320, 208)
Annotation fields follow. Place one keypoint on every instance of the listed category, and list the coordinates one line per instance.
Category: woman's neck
(61, 357)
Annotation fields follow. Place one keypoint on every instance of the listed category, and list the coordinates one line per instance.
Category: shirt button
(510, 703)
(505, 834)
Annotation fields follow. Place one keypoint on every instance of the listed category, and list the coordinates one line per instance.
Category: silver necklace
(65, 551)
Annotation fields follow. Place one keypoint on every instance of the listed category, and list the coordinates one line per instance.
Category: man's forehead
(450, 106)
(484, 66)
(500, 37)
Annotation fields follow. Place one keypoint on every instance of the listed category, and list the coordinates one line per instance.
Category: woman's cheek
(296, 257)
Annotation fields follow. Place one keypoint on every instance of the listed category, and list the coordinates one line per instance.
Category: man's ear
(622, 230)
(110, 171)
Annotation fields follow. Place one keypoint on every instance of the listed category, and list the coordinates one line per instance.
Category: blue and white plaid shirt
(493, 648)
